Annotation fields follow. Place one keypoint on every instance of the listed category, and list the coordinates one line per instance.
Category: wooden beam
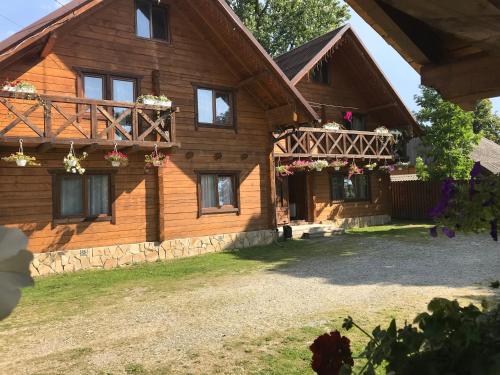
(91, 148)
(465, 81)
(49, 45)
(44, 147)
(253, 78)
(283, 115)
(380, 107)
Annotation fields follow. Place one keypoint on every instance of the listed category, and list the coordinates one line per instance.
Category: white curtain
(71, 196)
(98, 192)
(208, 197)
(226, 194)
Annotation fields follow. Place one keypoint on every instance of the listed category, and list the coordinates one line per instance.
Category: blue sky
(20, 13)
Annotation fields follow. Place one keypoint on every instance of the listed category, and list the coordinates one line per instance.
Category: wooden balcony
(326, 143)
(47, 122)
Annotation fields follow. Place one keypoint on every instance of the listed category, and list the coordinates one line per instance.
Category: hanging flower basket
(387, 168)
(354, 169)
(318, 165)
(300, 165)
(19, 86)
(116, 158)
(370, 166)
(400, 165)
(20, 158)
(155, 159)
(72, 162)
(158, 101)
(338, 164)
(284, 170)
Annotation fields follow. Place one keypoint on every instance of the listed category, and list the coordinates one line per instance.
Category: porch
(46, 122)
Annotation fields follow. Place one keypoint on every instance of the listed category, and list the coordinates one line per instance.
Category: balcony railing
(327, 143)
(47, 121)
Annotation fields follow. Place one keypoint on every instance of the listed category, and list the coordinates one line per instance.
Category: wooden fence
(414, 199)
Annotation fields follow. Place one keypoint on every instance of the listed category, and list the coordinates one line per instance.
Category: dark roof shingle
(294, 61)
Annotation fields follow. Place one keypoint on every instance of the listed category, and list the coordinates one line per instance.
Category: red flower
(330, 352)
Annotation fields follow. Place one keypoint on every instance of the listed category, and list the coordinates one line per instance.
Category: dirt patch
(188, 331)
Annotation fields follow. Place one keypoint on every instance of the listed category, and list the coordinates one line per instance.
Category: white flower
(14, 268)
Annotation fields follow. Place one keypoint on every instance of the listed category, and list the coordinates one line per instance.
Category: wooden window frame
(166, 10)
(56, 198)
(344, 200)
(236, 209)
(108, 78)
(216, 89)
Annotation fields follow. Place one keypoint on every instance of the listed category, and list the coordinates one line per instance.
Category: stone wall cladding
(109, 257)
(361, 221)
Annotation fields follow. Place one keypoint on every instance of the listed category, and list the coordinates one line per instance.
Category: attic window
(319, 74)
(151, 21)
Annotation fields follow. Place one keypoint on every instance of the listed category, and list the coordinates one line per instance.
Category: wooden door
(282, 201)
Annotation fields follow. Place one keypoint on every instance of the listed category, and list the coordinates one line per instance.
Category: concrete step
(310, 231)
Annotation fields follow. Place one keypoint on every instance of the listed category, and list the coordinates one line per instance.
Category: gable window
(214, 107)
(357, 188)
(218, 192)
(85, 197)
(101, 86)
(320, 73)
(151, 21)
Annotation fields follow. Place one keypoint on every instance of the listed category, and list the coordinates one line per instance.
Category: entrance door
(282, 207)
(298, 197)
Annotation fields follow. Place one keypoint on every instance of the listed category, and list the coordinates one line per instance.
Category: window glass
(226, 192)
(143, 18)
(205, 106)
(354, 189)
(159, 23)
(71, 195)
(98, 195)
(93, 87)
(222, 109)
(123, 91)
(208, 193)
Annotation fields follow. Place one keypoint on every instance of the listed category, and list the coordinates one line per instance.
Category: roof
(488, 153)
(37, 31)
(296, 60)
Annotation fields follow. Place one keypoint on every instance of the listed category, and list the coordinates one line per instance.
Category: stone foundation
(362, 221)
(109, 257)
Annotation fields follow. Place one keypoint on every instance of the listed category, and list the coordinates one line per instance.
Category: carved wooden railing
(51, 120)
(327, 143)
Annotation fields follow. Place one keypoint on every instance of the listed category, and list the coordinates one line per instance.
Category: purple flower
(448, 232)
(433, 231)
(447, 193)
(494, 229)
(476, 169)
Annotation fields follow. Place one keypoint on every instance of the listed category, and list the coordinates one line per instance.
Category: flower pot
(336, 168)
(157, 163)
(400, 168)
(72, 163)
(27, 90)
(158, 103)
(370, 168)
(115, 163)
(21, 162)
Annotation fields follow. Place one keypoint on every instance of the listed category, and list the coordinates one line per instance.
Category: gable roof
(39, 31)
(488, 153)
(303, 58)
(299, 61)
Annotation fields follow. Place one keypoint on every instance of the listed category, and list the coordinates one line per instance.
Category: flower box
(26, 90)
(158, 103)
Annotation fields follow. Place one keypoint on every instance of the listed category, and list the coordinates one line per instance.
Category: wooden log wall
(106, 41)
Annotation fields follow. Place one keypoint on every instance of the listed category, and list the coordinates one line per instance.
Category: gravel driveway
(373, 275)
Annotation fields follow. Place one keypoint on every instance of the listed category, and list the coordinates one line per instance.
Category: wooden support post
(47, 113)
(156, 77)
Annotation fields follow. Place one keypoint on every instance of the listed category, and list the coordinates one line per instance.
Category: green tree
(485, 121)
(449, 137)
(281, 25)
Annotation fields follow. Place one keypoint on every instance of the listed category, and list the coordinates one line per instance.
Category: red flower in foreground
(330, 352)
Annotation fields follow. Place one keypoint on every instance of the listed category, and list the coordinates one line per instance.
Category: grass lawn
(56, 298)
